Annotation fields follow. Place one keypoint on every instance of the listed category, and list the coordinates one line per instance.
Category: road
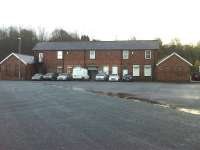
(92, 116)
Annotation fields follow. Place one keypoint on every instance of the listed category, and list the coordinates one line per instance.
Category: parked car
(127, 77)
(196, 76)
(37, 76)
(114, 77)
(101, 76)
(50, 76)
(64, 77)
(80, 73)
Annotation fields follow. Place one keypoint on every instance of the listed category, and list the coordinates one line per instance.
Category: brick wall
(173, 69)
(10, 69)
(102, 57)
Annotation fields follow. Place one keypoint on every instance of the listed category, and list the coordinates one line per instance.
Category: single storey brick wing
(173, 68)
(10, 67)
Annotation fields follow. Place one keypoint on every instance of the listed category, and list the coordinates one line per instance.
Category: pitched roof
(26, 59)
(174, 53)
(98, 45)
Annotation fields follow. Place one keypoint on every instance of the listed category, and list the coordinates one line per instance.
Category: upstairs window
(59, 54)
(92, 54)
(41, 56)
(125, 54)
(147, 54)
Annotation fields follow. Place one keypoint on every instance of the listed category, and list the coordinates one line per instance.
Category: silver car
(37, 76)
(101, 77)
(114, 77)
(64, 77)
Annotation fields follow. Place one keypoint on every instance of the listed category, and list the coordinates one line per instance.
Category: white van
(80, 73)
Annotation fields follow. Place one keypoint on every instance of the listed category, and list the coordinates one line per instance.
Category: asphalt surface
(71, 115)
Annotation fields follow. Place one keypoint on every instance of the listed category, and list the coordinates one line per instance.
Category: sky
(108, 19)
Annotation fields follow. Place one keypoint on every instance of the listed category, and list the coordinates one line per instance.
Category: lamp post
(19, 52)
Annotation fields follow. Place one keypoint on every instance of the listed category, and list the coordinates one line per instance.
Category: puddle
(136, 98)
(190, 111)
(78, 89)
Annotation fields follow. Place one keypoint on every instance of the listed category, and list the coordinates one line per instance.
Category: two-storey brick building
(137, 57)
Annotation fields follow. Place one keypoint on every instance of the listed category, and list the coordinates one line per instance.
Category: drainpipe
(84, 59)
(63, 63)
(19, 52)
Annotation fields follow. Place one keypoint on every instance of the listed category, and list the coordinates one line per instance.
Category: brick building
(136, 57)
(14, 62)
(173, 68)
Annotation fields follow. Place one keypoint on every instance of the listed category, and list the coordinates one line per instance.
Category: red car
(196, 76)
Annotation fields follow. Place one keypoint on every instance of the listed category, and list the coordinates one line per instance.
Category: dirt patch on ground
(133, 97)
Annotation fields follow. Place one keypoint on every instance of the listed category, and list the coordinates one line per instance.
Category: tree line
(29, 37)
(9, 42)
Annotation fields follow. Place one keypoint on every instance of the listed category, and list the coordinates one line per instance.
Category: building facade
(113, 57)
(17, 67)
(173, 68)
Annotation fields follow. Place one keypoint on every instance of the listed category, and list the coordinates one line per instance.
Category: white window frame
(59, 67)
(147, 74)
(124, 72)
(113, 69)
(147, 56)
(138, 73)
(92, 54)
(125, 54)
(40, 57)
(59, 54)
(106, 69)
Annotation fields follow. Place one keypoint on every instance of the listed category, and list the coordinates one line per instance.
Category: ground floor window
(59, 69)
(147, 70)
(136, 70)
(125, 72)
(106, 69)
(69, 70)
(114, 70)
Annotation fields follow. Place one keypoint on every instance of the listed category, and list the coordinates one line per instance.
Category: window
(125, 54)
(147, 54)
(41, 55)
(125, 72)
(147, 70)
(106, 69)
(136, 70)
(92, 54)
(69, 69)
(59, 69)
(114, 70)
(59, 54)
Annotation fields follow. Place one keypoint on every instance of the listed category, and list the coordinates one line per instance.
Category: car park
(50, 76)
(37, 76)
(101, 77)
(114, 77)
(196, 76)
(127, 77)
(64, 77)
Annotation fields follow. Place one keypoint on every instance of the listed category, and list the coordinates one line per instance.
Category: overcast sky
(108, 19)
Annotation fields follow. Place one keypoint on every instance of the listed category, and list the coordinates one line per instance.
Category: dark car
(127, 77)
(37, 76)
(101, 77)
(196, 76)
(50, 76)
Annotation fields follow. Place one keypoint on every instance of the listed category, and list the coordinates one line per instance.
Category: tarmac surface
(89, 115)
